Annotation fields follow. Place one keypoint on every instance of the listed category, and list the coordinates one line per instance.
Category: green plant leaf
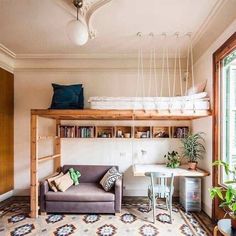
(234, 207)
(216, 191)
(228, 195)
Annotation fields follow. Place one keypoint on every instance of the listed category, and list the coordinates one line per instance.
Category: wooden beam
(46, 158)
(57, 149)
(46, 137)
(92, 114)
(34, 168)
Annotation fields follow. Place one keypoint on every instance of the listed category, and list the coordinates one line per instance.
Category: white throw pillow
(198, 88)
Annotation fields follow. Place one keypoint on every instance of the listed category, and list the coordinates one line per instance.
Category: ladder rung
(47, 137)
(46, 158)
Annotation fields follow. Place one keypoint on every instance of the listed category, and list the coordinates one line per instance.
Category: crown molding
(76, 56)
(220, 21)
(83, 64)
(100, 56)
(210, 17)
(7, 51)
(7, 58)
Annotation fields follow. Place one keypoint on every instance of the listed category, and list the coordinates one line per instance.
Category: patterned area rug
(135, 219)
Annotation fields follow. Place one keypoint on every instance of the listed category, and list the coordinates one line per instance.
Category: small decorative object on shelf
(227, 195)
(173, 159)
(123, 131)
(104, 132)
(193, 149)
(180, 132)
(161, 132)
(142, 132)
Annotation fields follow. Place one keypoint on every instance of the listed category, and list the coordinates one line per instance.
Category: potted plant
(193, 149)
(173, 159)
(227, 194)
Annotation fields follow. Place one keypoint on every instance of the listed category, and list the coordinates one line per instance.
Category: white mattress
(193, 102)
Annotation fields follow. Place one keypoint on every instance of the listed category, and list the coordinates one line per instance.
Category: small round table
(224, 227)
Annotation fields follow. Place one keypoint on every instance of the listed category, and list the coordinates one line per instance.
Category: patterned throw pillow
(109, 179)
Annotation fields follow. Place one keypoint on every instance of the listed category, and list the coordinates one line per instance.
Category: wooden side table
(224, 227)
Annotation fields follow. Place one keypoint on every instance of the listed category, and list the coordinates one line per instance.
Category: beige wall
(203, 71)
(33, 90)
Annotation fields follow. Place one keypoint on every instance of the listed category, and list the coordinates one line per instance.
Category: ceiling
(39, 27)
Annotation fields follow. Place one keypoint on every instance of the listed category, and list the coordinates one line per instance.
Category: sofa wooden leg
(43, 213)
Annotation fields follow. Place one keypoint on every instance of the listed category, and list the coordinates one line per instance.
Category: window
(228, 114)
(224, 113)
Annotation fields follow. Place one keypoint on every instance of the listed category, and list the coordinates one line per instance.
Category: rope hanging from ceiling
(171, 88)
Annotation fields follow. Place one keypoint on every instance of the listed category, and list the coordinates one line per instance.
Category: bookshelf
(122, 132)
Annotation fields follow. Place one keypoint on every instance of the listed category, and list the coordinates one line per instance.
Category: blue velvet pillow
(67, 96)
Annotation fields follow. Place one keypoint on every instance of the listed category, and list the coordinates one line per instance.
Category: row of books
(65, 131)
(181, 132)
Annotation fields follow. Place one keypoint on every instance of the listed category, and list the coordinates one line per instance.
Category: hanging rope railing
(171, 87)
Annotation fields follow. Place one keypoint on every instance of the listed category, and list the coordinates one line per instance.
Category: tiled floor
(135, 219)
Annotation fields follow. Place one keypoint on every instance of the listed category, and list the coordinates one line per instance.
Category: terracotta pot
(192, 165)
(233, 220)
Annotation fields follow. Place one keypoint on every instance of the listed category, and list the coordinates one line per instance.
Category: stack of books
(69, 131)
(181, 132)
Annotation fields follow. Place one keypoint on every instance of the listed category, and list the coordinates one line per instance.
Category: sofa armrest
(118, 194)
(44, 188)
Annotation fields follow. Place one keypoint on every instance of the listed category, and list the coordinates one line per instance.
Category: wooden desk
(189, 188)
(140, 169)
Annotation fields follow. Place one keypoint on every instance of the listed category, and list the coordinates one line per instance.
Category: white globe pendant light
(77, 30)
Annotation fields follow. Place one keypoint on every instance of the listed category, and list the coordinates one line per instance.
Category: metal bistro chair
(163, 188)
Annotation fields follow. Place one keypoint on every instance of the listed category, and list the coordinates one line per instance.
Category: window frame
(228, 47)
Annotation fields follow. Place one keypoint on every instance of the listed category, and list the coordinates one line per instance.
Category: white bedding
(194, 102)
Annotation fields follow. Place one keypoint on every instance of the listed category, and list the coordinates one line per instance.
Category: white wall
(33, 90)
(203, 71)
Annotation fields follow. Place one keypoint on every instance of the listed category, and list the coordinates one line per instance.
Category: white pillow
(198, 88)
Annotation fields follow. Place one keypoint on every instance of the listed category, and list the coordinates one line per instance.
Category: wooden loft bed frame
(86, 114)
(92, 114)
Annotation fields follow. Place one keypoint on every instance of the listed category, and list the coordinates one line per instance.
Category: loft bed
(110, 108)
(86, 114)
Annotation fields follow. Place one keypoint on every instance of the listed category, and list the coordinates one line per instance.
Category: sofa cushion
(87, 192)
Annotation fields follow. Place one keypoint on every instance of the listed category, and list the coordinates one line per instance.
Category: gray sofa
(87, 197)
